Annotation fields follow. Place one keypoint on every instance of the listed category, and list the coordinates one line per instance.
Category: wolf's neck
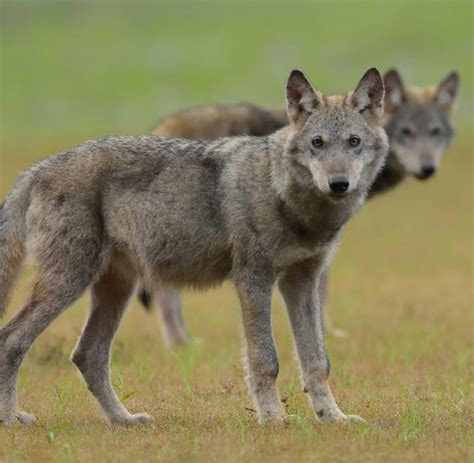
(391, 175)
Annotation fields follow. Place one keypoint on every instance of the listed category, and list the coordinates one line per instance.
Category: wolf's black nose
(338, 183)
(428, 170)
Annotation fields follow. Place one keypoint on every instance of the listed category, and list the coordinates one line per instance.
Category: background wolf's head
(338, 144)
(418, 122)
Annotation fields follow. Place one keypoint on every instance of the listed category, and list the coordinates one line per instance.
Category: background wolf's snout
(338, 183)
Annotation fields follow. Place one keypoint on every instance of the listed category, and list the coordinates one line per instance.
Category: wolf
(416, 119)
(259, 211)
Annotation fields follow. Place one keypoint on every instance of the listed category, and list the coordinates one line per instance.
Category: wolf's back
(12, 236)
(218, 121)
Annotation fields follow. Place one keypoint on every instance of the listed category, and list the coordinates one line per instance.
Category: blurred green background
(73, 70)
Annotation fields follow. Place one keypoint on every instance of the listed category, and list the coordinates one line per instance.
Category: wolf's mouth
(338, 196)
(424, 175)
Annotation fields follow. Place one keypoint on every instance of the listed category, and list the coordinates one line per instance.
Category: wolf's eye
(435, 131)
(354, 141)
(406, 131)
(317, 142)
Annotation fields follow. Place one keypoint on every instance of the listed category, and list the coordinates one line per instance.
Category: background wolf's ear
(301, 98)
(368, 96)
(394, 91)
(447, 91)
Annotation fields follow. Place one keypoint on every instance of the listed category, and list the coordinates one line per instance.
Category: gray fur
(185, 213)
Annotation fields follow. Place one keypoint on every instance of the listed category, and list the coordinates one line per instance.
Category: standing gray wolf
(417, 121)
(256, 210)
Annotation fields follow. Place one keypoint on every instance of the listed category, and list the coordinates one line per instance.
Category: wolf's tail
(12, 237)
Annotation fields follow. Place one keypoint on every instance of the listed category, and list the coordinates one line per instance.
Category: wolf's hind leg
(171, 319)
(53, 292)
(109, 297)
(329, 328)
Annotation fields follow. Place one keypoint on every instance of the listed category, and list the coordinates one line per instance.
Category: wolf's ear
(301, 98)
(394, 90)
(368, 96)
(447, 91)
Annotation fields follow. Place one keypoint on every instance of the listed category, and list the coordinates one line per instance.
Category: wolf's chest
(292, 254)
(299, 241)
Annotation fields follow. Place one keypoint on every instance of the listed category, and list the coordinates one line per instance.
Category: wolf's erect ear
(394, 91)
(447, 91)
(368, 95)
(301, 98)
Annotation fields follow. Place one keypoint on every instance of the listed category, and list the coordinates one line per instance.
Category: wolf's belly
(198, 269)
(172, 237)
(186, 257)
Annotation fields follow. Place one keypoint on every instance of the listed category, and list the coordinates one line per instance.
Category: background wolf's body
(412, 107)
(225, 120)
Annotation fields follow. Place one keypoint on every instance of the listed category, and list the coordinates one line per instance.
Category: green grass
(401, 282)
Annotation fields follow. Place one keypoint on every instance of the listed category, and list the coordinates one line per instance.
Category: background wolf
(257, 210)
(417, 121)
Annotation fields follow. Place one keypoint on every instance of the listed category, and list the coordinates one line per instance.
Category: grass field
(401, 282)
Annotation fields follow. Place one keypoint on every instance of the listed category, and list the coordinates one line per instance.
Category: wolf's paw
(356, 418)
(26, 418)
(18, 418)
(132, 420)
(336, 416)
(141, 418)
(275, 418)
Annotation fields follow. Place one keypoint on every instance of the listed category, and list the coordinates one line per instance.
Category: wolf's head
(417, 120)
(338, 144)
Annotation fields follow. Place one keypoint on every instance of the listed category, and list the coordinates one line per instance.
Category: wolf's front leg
(299, 287)
(260, 356)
